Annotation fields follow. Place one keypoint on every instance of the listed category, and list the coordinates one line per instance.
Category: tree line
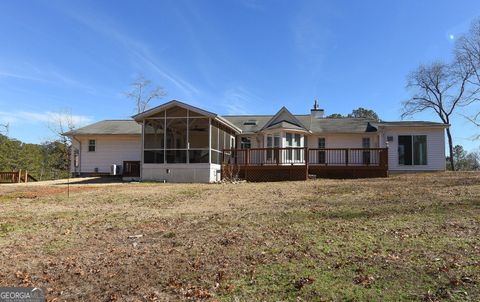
(43, 161)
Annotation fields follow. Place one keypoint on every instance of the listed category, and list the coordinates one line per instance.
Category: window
(289, 139)
(276, 141)
(245, 143)
(366, 142)
(420, 150)
(412, 150)
(91, 145)
(273, 141)
(293, 140)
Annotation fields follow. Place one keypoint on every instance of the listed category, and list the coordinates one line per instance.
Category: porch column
(210, 140)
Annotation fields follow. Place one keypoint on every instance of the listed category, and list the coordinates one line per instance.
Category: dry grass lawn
(408, 237)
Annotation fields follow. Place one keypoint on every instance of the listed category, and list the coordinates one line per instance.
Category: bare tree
(441, 88)
(60, 124)
(467, 51)
(142, 96)
(4, 128)
(467, 55)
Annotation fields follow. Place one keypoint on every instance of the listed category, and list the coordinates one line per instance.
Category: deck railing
(306, 156)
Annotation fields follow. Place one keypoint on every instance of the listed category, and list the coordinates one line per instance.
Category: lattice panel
(348, 172)
(282, 173)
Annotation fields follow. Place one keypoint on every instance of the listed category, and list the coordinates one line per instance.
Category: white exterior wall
(343, 140)
(109, 149)
(435, 148)
(332, 140)
(205, 173)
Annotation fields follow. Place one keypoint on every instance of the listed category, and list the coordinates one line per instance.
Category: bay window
(273, 141)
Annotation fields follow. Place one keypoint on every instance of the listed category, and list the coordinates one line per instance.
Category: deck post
(384, 158)
(26, 176)
(305, 157)
(19, 175)
(277, 155)
(346, 157)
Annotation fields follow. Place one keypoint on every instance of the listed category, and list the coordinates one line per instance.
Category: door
(273, 143)
(131, 169)
(294, 140)
(366, 153)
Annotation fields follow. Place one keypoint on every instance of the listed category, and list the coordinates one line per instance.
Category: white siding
(109, 149)
(343, 140)
(435, 148)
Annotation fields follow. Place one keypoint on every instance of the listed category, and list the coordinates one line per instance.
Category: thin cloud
(8, 74)
(134, 47)
(42, 117)
(239, 100)
(45, 74)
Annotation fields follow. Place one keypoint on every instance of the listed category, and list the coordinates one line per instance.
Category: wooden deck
(277, 164)
(16, 177)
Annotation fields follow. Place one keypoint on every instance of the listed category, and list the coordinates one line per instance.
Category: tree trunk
(450, 148)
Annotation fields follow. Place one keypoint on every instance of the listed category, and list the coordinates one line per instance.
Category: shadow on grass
(90, 180)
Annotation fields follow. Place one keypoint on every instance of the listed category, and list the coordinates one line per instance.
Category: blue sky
(229, 57)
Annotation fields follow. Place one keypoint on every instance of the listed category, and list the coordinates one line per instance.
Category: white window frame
(94, 145)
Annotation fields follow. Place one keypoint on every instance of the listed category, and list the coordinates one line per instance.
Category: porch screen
(176, 136)
(221, 140)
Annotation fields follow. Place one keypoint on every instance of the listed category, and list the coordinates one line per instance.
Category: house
(177, 142)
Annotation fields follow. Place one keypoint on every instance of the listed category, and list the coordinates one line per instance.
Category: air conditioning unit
(115, 169)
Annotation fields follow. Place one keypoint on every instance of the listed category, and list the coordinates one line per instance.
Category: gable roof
(285, 125)
(114, 127)
(284, 118)
(140, 116)
(174, 103)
